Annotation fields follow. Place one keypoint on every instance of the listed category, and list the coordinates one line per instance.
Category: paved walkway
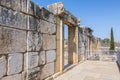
(92, 70)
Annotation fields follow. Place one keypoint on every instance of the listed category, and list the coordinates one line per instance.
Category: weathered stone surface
(47, 27)
(12, 19)
(31, 60)
(69, 19)
(24, 75)
(20, 21)
(8, 16)
(56, 8)
(59, 24)
(51, 56)
(13, 77)
(47, 70)
(12, 40)
(15, 63)
(0, 15)
(31, 9)
(33, 23)
(48, 16)
(38, 11)
(16, 4)
(2, 2)
(42, 59)
(3, 66)
(49, 42)
(13, 4)
(25, 5)
(34, 73)
(34, 41)
(8, 3)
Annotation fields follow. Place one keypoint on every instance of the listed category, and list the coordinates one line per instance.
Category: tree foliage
(112, 45)
(106, 40)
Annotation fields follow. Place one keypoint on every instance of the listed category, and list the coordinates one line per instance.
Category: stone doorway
(72, 45)
(64, 17)
(66, 64)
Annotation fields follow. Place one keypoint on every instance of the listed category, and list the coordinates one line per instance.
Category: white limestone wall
(27, 41)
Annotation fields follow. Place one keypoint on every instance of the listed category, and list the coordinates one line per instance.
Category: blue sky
(100, 15)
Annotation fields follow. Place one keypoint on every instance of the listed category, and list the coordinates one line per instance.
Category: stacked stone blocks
(27, 41)
(31, 39)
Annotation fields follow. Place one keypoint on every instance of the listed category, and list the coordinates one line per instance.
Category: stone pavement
(92, 70)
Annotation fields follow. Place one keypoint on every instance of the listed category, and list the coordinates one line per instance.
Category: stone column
(96, 45)
(90, 46)
(60, 46)
(88, 50)
(77, 43)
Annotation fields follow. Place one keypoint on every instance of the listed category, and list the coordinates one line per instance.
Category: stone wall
(27, 40)
(83, 42)
(31, 40)
(118, 58)
(87, 43)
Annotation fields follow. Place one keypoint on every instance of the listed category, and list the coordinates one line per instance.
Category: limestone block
(0, 14)
(49, 42)
(61, 8)
(16, 5)
(13, 77)
(25, 5)
(31, 60)
(7, 16)
(53, 8)
(34, 41)
(24, 75)
(51, 56)
(52, 18)
(70, 19)
(8, 3)
(15, 63)
(20, 21)
(59, 25)
(42, 59)
(38, 11)
(48, 16)
(31, 9)
(3, 66)
(13, 19)
(47, 27)
(3, 2)
(56, 8)
(33, 23)
(47, 70)
(12, 40)
(34, 73)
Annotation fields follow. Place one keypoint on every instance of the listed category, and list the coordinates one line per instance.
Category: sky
(100, 15)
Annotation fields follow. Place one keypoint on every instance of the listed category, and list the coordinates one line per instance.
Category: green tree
(106, 40)
(112, 45)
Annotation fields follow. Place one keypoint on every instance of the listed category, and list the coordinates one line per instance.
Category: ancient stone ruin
(32, 40)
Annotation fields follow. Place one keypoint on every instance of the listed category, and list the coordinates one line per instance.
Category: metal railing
(102, 55)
